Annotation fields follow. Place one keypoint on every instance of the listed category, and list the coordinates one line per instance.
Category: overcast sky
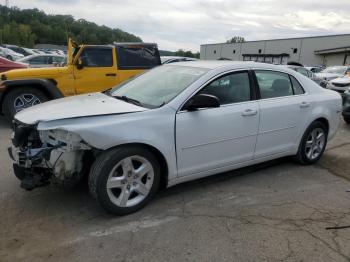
(187, 24)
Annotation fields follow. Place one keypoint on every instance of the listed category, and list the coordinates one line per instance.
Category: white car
(44, 60)
(10, 54)
(172, 124)
(333, 72)
(340, 84)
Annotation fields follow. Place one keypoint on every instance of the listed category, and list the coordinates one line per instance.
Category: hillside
(31, 26)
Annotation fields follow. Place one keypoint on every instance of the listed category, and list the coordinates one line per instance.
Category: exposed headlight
(68, 141)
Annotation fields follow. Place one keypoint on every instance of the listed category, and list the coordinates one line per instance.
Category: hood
(76, 106)
(328, 76)
(341, 80)
(34, 72)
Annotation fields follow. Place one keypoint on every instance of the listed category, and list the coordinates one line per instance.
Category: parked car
(331, 73)
(339, 84)
(175, 123)
(30, 51)
(10, 54)
(90, 68)
(306, 72)
(18, 49)
(7, 65)
(174, 59)
(42, 60)
(315, 69)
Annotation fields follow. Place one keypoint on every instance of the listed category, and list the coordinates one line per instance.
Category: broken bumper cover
(41, 157)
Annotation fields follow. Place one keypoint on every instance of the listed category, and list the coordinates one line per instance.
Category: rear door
(284, 108)
(99, 70)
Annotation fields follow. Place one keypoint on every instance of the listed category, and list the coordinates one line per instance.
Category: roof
(213, 64)
(133, 43)
(279, 39)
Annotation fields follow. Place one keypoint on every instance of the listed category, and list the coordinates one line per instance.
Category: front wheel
(124, 180)
(21, 98)
(313, 143)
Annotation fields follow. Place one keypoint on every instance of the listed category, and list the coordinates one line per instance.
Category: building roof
(279, 39)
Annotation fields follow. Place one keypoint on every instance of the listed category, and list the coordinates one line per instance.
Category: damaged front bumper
(42, 157)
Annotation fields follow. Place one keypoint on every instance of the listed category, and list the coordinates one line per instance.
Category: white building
(319, 50)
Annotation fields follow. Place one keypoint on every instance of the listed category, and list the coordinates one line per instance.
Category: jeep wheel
(21, 98)
(124, 180)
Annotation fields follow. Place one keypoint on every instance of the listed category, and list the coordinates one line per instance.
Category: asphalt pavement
(278, 211)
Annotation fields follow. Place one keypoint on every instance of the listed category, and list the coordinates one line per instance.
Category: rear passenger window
(298, 89)
(137, 56)
(39, 60)
(232, 88)
(273, 84)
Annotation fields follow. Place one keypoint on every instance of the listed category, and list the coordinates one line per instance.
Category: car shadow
(4, 123)
(221, 177)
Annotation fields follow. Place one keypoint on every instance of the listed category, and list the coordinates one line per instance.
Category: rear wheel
(313, 143)
(21, 98)
(9, 57)
(124, 180)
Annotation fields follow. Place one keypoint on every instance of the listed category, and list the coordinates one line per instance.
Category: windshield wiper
(129, 100)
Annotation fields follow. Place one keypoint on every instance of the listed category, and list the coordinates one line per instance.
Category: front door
(214, 138)
(99, 71)
(283, 112)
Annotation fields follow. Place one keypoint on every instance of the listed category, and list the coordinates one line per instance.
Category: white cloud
(188, 23)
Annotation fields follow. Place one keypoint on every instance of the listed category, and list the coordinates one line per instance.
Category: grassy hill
(31, 26)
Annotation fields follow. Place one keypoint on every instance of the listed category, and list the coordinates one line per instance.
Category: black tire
(100, 171)
(301, 156)
(8, 107)
(347, 120)
(9, 57)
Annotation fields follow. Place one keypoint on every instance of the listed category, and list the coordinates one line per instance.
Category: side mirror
(202, 101)
(80, 64)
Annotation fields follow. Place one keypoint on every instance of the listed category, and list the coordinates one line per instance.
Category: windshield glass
(335, 70)
(159, 85)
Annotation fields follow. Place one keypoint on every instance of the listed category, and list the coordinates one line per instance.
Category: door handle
(249, 112)
(111, 74)
(304, 104)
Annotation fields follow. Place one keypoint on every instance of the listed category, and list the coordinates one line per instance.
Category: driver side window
(97, 57)
(231, 88)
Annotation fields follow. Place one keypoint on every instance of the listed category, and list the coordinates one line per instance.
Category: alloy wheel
(315, 143)
(24, 101)
(130, 181)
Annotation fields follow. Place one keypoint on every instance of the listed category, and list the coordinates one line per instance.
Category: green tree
(184, 53)
(236, 39)
(31, 26)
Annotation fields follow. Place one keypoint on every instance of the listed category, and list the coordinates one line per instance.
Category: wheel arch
(324, 121)
(47, 86)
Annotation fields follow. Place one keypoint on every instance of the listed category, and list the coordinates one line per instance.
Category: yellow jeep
(89, 68)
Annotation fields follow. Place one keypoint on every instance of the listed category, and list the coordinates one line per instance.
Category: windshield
(335, 70)
(159, 85)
